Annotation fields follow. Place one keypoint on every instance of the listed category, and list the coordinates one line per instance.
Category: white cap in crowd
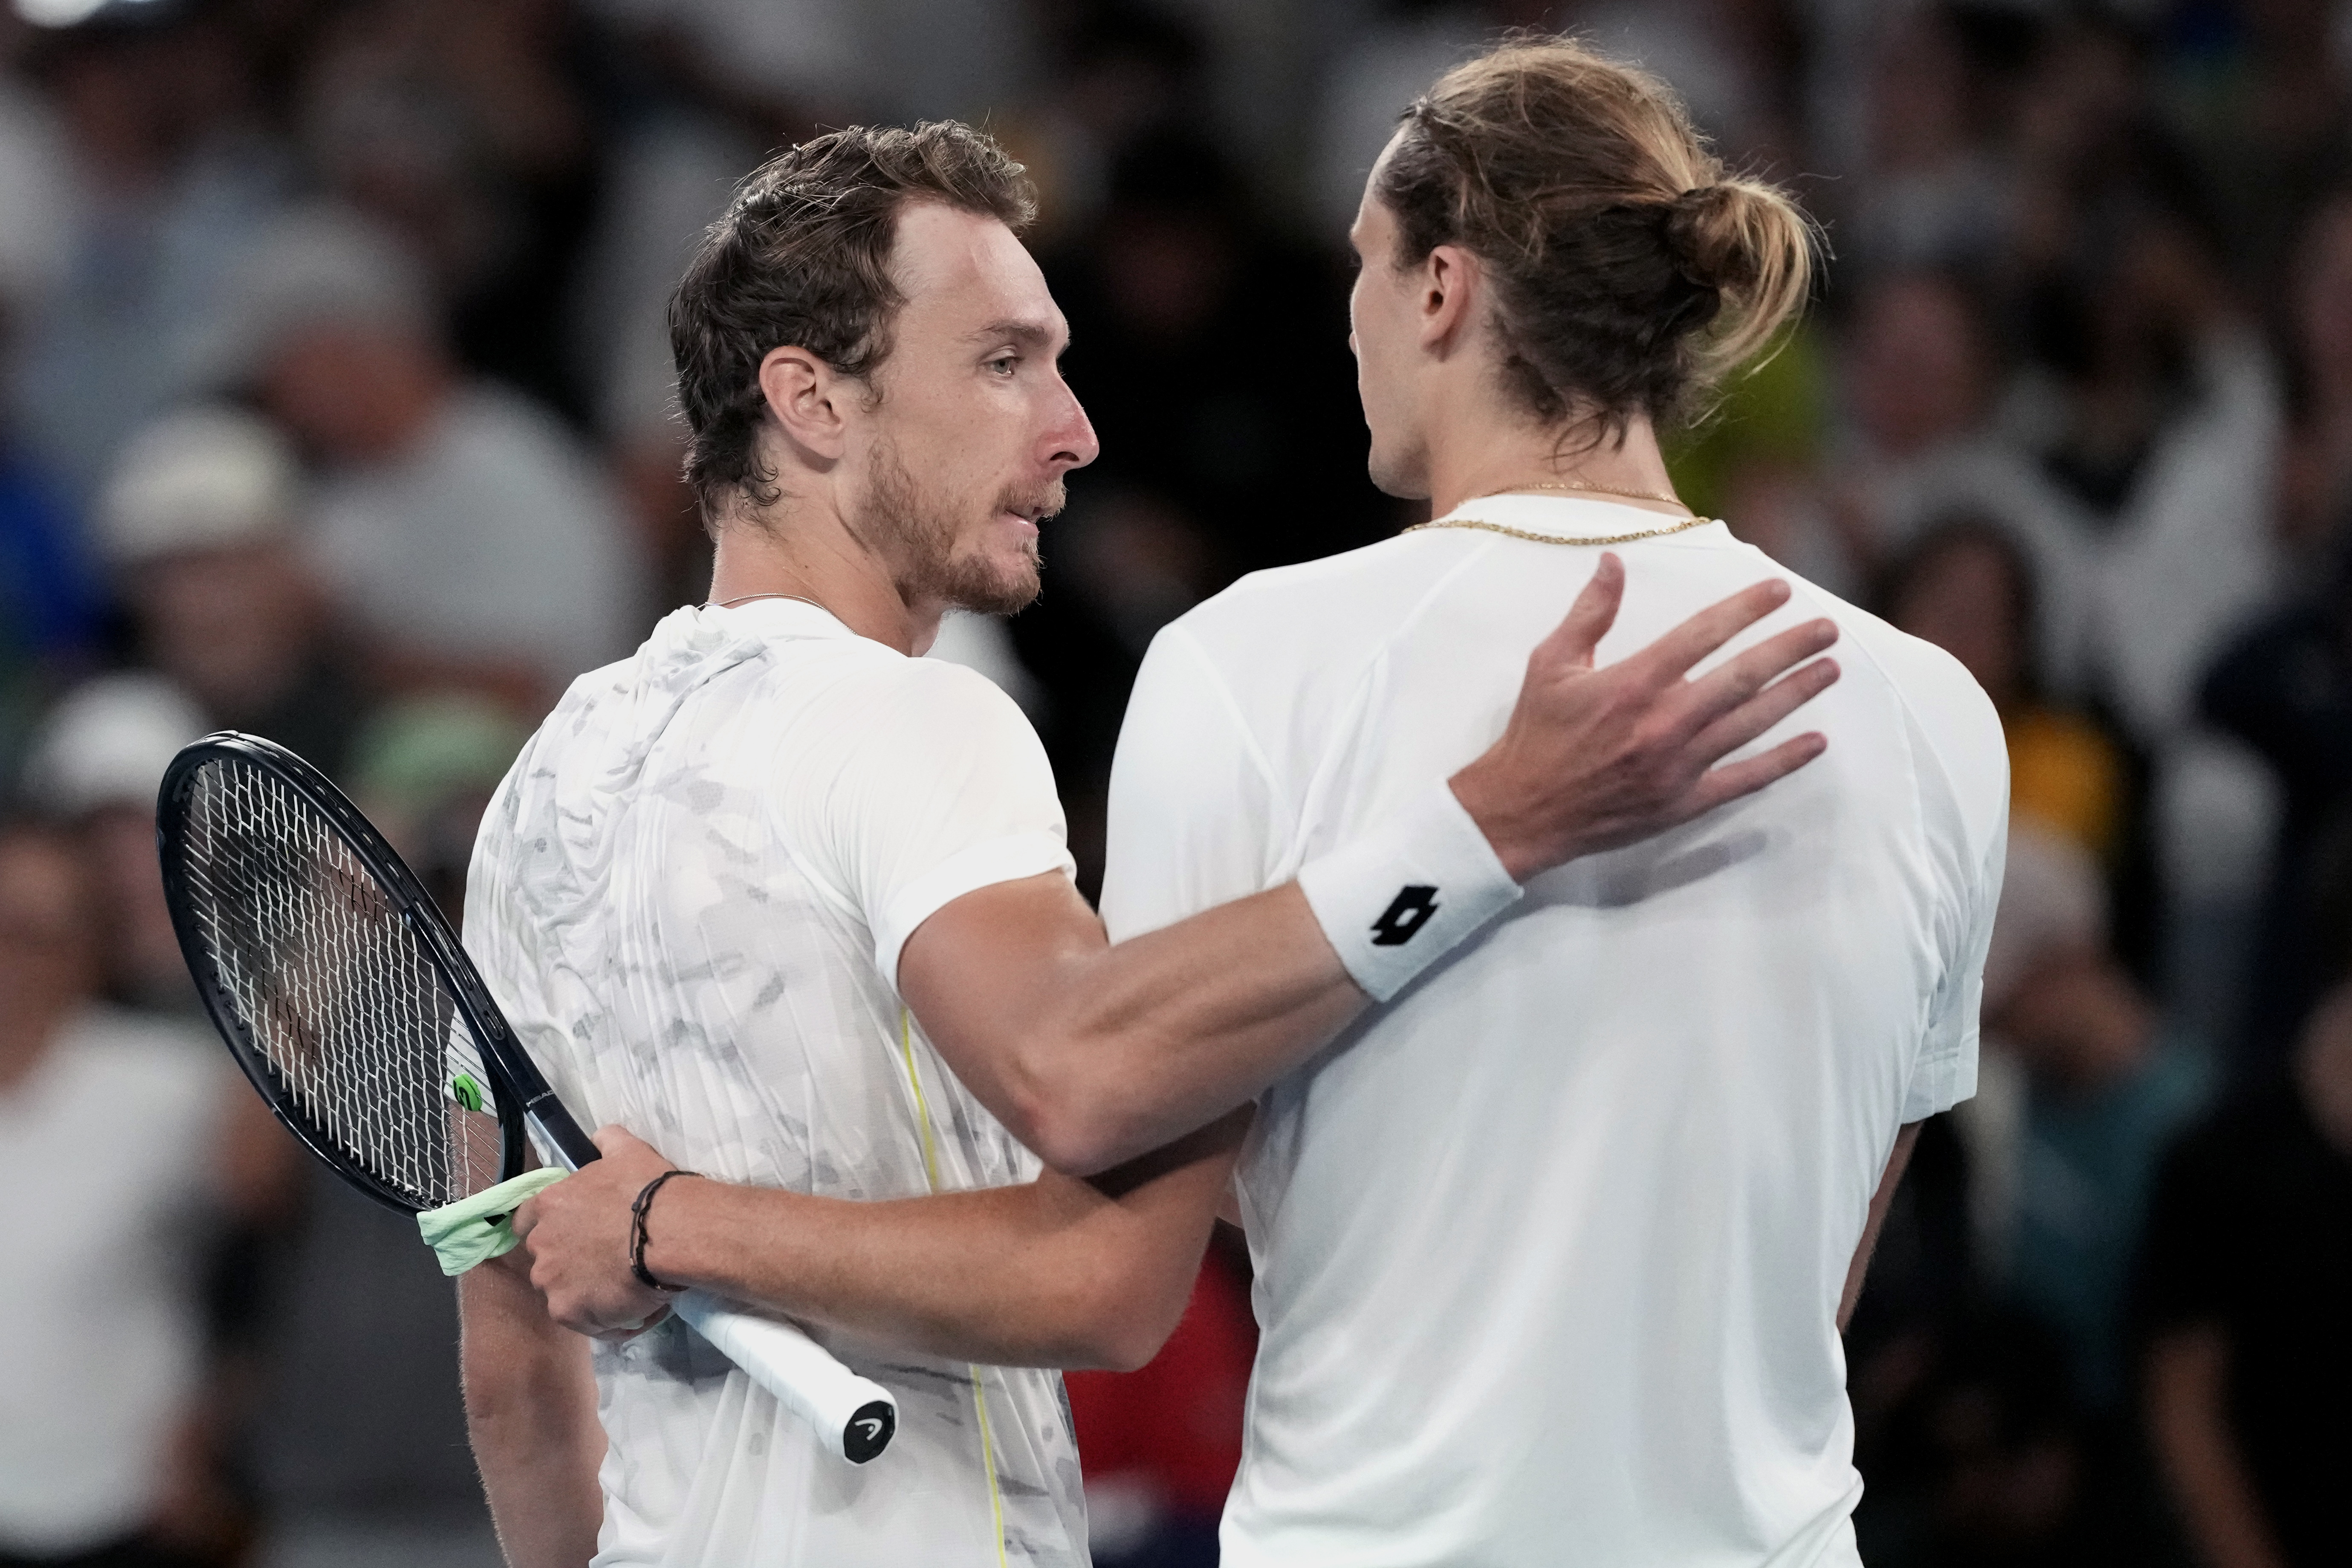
(318, 265)
(198, 479)
(108, 743)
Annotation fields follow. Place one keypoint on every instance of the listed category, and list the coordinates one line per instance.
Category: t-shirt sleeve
(1191, 815)
(942, 788)
(1946, 1073)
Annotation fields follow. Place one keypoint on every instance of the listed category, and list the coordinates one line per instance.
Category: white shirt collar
(777, 617)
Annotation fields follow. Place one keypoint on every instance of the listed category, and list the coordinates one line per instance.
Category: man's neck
(804, 551)
(1482, 451)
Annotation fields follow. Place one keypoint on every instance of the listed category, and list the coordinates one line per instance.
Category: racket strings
(336, 989)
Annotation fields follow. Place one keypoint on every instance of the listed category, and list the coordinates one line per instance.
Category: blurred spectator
(1932, 193)
(462, 129)
(2081, 1085)
(96, 765)
(2286, 689)
(1967, 586)
(475, 541)
(1988, 1461)
(423, 770)
(128, 1142)
(166, 177)
(2163, 438)
(50, 605)
(2285, 685)
(2108, 1083)
(51, 609)
(1114, 70)
(199, 524)
(1993, 1421)
(2268, 104)
(2247, 1286)
(1922, 373)
(2315, 512)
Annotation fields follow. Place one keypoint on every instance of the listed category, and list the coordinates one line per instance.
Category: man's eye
(1004, 364)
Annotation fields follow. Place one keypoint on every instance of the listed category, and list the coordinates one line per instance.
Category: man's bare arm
(1094, 1055)
(1880, 1202)
(2189, 1428)
(1059, 1272)
(531, 1410)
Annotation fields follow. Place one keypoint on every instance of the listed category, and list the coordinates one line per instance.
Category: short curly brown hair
(802, 258)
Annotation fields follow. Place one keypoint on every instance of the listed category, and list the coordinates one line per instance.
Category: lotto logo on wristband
(1406, 914)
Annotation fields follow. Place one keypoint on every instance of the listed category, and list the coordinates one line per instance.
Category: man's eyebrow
(1028, 334)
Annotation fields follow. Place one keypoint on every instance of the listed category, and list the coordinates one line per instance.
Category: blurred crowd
(335, 407)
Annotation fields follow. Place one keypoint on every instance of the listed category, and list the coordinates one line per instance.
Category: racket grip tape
(856, 1416)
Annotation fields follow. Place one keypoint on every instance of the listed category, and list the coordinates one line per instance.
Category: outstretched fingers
(1761, 712)
(1738, 680)
(1672, 655)
(1720, 786)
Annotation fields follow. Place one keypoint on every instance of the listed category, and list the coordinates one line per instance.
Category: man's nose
(1071, 442)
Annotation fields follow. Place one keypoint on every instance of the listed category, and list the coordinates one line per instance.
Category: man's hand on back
(1594, 759)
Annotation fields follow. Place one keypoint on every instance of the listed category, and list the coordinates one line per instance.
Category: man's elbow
(1127, 1328)
(1075, 1127)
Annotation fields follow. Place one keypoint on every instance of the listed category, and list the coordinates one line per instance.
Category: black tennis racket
(345, 996)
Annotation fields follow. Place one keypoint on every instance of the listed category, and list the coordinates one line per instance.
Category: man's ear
(1446, 292)
(806, 397)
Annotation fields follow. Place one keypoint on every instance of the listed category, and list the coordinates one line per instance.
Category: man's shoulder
(1333, 611)
(1941, 701)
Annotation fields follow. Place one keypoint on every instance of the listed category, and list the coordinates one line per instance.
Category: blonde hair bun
(1630, 270)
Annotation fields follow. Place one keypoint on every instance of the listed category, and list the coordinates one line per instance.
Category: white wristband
(1400, 897)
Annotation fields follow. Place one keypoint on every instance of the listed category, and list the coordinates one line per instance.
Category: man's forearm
(1060, 1272)
(530, 1412)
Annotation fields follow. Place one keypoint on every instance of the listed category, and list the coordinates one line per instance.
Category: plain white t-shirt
(111, 1153)
(688, 896)
(1549, 1248)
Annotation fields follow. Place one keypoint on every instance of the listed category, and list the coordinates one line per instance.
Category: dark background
(2075, 401)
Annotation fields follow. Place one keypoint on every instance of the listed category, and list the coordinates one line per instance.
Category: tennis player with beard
(793, 908)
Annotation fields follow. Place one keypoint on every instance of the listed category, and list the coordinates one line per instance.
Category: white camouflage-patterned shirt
(689, 895)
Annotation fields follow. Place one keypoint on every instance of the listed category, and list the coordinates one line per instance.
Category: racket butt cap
(869, 1431)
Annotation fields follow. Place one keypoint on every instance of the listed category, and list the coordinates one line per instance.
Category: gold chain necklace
(1692, 521)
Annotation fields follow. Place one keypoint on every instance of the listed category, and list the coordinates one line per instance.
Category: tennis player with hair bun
(1577, 1055)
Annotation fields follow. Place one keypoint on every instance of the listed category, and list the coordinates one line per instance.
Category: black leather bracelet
(637, 1234)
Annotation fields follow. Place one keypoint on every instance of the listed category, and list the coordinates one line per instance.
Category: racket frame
(522, 1093)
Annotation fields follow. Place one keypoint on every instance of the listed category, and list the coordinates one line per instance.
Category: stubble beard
(919, 533)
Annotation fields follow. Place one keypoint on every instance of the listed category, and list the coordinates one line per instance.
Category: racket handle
(856, 1416)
